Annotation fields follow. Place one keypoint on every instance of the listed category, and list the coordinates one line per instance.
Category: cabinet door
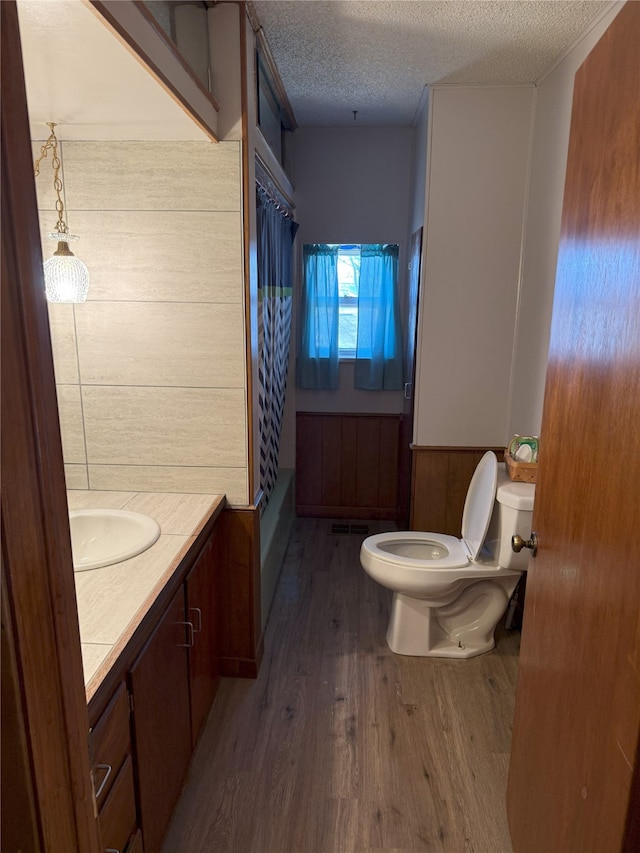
(118, 815)
(111, 743)
(162, 726)
(201, 589)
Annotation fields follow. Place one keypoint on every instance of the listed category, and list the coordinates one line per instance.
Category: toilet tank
(512, 513)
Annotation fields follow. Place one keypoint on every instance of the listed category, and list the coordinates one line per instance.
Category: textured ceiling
(376, 57)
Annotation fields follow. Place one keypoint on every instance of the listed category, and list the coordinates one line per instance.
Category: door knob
(518, 543)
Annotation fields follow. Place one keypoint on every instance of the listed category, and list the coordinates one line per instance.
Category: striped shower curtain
(276, 232)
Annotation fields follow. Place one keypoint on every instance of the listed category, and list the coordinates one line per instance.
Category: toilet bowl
(450, 593)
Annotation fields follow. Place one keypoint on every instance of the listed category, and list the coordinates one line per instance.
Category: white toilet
(448, 593)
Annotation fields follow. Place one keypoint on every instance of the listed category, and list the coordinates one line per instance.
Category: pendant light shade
(66, 278)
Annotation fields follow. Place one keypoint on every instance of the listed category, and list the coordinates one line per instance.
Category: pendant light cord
(52, 145)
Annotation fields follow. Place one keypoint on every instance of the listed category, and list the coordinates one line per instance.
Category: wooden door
(409, 362)
(573, 778)
(159, 681)
(204, 664)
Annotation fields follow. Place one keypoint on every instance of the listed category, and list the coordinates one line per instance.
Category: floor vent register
(339, 528)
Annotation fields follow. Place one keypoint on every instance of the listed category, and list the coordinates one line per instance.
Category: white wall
(548, 164)
(419, 187)
(224, 23)
(353, 185)
(477, 173)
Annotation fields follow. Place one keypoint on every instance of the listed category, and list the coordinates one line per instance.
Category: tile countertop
(113, 600)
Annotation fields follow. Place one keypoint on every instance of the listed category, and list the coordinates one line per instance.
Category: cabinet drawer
(111, 742)
(118, 815)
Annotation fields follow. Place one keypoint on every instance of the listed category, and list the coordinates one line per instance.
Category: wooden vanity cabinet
(173, 683)
(159, 684)
(201, 593)
(143, 739)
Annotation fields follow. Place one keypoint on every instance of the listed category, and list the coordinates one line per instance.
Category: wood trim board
(240, 640)
(36, 545)
(249, 224)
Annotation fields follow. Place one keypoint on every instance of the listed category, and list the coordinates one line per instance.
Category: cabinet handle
(192, 638)
(111, 850)
(108, 769)
(199, 612)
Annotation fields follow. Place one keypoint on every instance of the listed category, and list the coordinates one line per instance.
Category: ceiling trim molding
(482, 86)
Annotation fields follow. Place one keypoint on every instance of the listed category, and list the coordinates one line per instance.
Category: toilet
(449, 593)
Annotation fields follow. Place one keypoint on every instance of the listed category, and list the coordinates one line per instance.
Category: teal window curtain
(378, 364)
(317, 366)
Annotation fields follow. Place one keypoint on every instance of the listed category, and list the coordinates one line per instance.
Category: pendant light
(66, 278)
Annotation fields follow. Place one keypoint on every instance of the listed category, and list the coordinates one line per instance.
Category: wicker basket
(521, 472)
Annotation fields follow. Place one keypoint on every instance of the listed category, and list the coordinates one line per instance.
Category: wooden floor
(340, 745)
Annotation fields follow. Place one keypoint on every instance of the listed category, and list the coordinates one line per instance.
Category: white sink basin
(101, 537)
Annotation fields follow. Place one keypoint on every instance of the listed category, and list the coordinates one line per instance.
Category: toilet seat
(409, 549)
(380, 546)
(479, 503)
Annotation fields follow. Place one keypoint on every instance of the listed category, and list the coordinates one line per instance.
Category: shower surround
(151, 370)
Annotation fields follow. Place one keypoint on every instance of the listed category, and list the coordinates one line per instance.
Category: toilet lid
(478, 506)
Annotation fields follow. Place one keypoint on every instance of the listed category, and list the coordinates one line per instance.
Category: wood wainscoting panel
(239, 620)
(439, 482)
(348, 460)
(388, 460)
(308, 461)
(347, 465)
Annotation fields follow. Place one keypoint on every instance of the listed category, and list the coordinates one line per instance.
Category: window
(348, 281)
(274, 114)
(349, 309)
(269, 113)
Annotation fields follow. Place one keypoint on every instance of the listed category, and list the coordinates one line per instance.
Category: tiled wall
(150, 370)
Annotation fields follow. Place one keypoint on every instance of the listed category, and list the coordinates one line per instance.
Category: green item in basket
(524, 441)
